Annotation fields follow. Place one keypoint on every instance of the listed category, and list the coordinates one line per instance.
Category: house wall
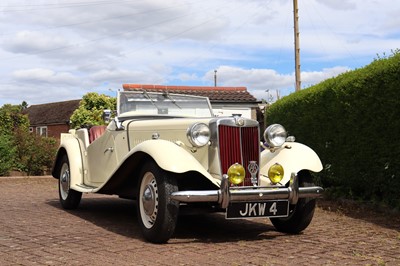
(53, 131)
(228, 110)
(245, 112)
(56, 130)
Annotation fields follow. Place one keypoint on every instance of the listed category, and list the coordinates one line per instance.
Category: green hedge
(353, 122)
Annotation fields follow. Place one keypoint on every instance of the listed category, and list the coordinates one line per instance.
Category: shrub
(352, 122)
(35, 154)
(7, 154)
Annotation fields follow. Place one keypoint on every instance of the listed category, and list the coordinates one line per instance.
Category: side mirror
(107, 116)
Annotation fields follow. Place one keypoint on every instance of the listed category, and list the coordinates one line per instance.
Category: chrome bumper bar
(227, 194)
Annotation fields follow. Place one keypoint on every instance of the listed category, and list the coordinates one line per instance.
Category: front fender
(173, 158)
(70, 146)
(293, 156)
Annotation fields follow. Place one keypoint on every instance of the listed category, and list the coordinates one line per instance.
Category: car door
(102, 159)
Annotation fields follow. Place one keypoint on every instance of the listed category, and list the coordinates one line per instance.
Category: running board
(85, 188)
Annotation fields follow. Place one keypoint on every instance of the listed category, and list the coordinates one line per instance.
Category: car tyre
(300, 214)
(157, 212)
(69, 198)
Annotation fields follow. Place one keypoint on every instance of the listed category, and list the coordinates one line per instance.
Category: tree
(91, 107)
(20, 149)
(7, 154)
(11, 118)
(24, 105)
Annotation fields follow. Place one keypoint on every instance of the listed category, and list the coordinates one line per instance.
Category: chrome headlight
(275, 135)
(199, 134)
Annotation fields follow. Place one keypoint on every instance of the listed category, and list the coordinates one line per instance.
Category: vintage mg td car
(166, 150)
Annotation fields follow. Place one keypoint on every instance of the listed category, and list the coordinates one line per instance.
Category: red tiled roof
(215, 94)
(51, 113)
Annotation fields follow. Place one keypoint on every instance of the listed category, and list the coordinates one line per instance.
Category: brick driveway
(103, 231)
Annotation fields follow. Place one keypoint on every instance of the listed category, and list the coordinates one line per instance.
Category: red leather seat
(95, 132)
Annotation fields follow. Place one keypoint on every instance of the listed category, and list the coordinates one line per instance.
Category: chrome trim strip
(294, 187)
(224, 192)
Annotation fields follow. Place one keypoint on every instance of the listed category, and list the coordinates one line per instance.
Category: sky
(58, 50)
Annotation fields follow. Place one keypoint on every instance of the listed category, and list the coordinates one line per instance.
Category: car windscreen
(148, 103)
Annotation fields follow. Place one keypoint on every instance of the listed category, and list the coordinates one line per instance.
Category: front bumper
(227, 194)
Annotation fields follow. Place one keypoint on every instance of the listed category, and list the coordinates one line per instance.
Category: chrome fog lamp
(275, 135)
(198, 134)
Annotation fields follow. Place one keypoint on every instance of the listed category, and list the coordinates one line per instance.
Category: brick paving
(34, 230)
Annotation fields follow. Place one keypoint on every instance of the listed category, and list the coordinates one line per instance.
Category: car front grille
(238, 145)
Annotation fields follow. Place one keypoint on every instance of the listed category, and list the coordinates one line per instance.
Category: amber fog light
(236, 174)
(275, 173)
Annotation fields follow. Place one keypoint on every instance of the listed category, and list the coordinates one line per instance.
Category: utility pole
(215, 78)
(296, 45)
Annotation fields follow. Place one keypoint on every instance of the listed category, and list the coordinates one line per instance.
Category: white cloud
(40, 75)
(188, 77)
(314, 77)
(118, 77)
(342, 5)
(259, 81)
(29, 42)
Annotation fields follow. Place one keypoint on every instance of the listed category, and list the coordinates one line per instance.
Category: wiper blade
(151, 100)
(166, 95)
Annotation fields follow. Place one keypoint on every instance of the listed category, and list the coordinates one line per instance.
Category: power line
(40, 7)
(180, 33)
(316, 11)
(38, 52)
(109, 18)
(242, 24)
(226, 11)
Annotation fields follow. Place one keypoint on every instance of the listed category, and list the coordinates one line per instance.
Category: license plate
(273, 208)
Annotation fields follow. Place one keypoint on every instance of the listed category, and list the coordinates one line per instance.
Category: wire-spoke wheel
(157, 212)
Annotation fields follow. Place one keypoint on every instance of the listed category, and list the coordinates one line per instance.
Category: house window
(41, 131)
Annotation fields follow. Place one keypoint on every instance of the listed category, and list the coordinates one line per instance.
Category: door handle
(111, 149)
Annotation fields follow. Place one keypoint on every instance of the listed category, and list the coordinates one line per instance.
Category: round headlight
(275, 135)
(276, 173)
(198, 134)
(236, 174)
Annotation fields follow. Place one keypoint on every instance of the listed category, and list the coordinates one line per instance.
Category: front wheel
(300, 214)
(69, 198)
(157, 212)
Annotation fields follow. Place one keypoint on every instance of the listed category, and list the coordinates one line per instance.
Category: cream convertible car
(166, 150)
